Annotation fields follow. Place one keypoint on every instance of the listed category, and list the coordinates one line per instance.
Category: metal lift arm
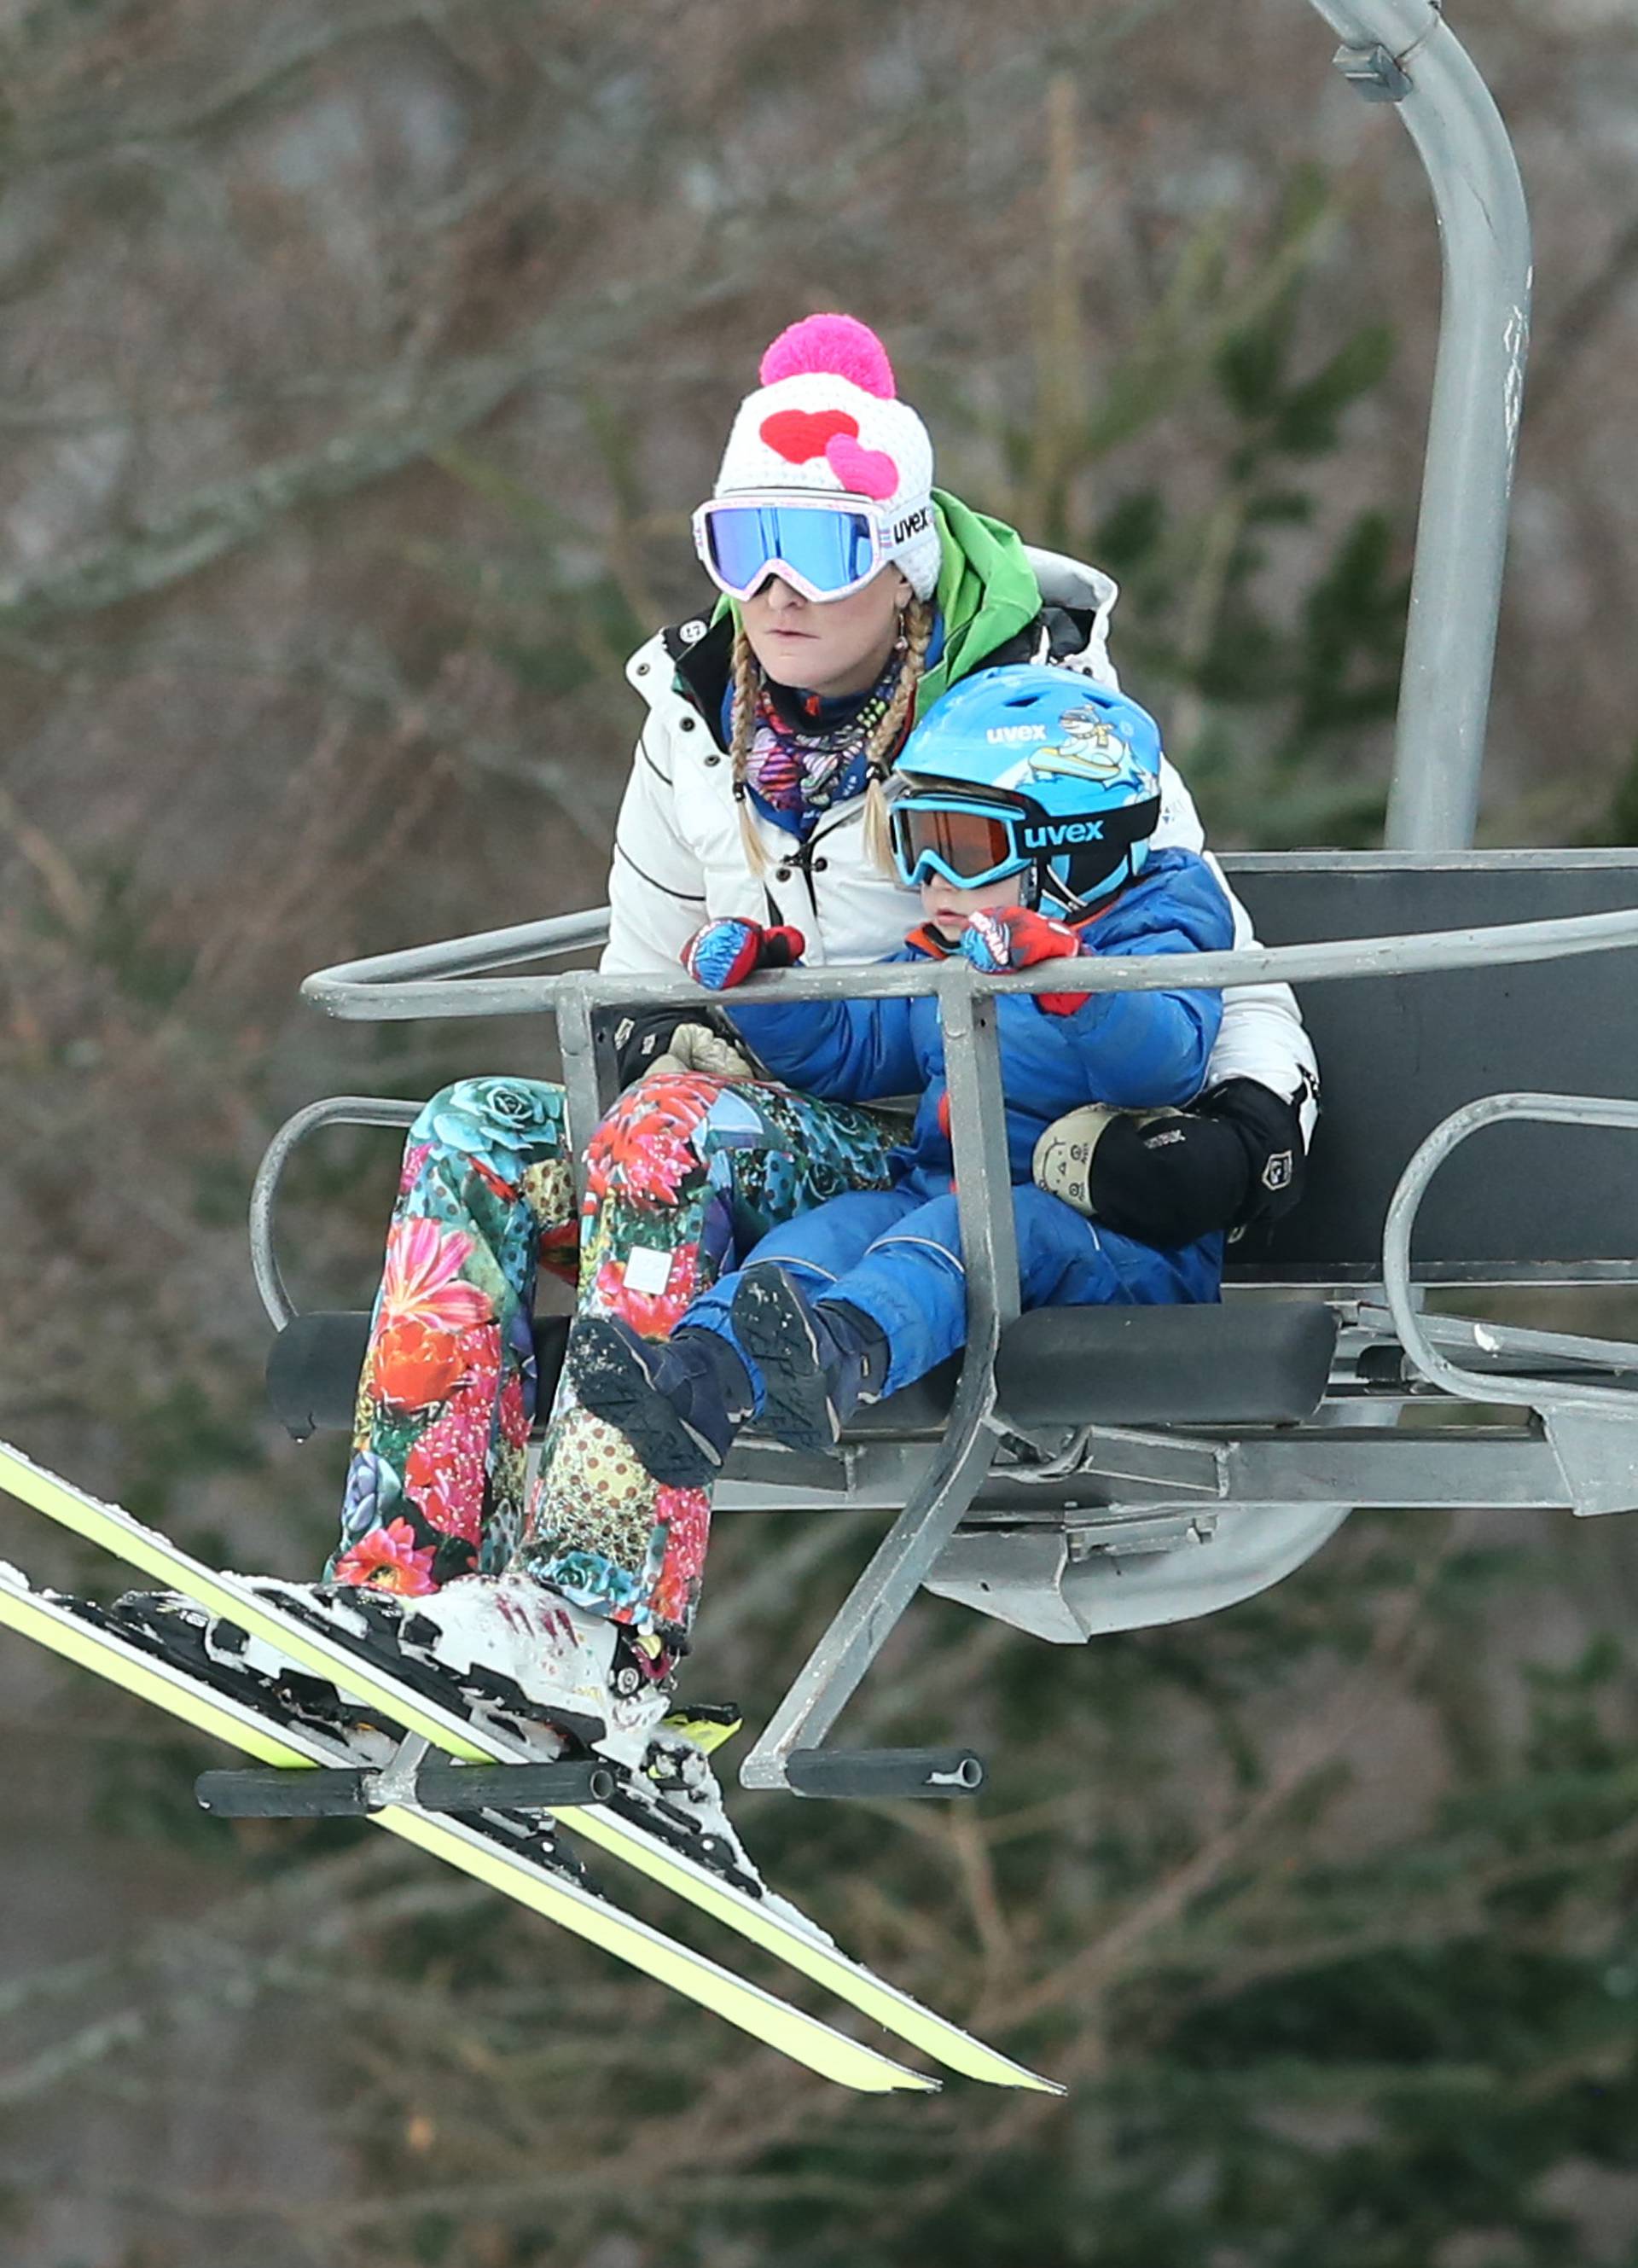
(1403, 52)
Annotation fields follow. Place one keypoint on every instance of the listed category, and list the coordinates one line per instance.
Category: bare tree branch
(100, 131)
(410, 424)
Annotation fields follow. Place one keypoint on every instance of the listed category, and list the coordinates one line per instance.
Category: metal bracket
(1127, 1453)
(395, 1782)
(1142, 1539)
(1599, 1457)
(1374, 74)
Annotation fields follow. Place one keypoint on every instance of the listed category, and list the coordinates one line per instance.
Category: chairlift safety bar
(442, 979)
(447, 980)
(1435, 1362)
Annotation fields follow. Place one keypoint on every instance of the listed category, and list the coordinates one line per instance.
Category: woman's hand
(725, 953)
(1012, 937)
(672, 1041)
(696, 1050)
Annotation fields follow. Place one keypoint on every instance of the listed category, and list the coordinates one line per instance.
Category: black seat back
(1398, 1054)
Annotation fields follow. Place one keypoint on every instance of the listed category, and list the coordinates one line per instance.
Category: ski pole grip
(884, 1772)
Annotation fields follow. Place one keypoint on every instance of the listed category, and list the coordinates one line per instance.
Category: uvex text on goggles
(824, 546)
(971, 841)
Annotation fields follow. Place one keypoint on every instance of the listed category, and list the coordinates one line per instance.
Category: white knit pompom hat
(827, 416)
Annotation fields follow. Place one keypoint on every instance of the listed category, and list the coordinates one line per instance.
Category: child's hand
(1014, 937)
(725, 953)
(1011, 936)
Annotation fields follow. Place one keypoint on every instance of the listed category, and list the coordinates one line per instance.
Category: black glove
(1234, 1161)
(1270, 1132)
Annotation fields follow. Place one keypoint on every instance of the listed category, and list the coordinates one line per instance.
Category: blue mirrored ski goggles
(824, 547)
(968, 843)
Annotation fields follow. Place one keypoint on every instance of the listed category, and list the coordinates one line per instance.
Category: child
(1029, 797)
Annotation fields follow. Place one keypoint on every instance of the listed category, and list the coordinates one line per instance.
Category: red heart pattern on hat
(799, 436)
(862, 472)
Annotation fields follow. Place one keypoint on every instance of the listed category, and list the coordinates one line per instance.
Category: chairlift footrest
(884, 1772)
(324, 1793)
(343, 1793)
(512, 1787)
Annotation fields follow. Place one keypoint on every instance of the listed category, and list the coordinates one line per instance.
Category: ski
(516, 1855)
(741, 1904)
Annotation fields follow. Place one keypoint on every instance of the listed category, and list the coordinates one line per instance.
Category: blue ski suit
(895, 1254)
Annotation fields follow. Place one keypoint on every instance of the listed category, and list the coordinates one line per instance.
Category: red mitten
(1012, 937)
(724, 953)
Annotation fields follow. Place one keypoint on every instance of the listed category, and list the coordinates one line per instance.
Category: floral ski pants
(684, 1176)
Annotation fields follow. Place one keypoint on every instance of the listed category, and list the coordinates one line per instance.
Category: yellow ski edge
(789, 2030)
(908, 2019)
(115, 1530)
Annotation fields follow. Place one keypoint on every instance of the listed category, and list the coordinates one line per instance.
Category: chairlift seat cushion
(1260, 1363)
(1257, 1362)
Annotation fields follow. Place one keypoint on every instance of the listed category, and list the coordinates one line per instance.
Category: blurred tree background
(362, 362)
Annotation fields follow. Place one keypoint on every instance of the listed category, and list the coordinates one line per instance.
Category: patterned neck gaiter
(808, 753)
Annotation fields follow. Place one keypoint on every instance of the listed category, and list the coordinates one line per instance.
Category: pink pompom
(838, 345)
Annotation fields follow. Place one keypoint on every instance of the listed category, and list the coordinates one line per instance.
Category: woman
(853, 594)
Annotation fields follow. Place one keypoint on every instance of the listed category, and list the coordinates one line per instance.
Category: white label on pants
(647, 1269)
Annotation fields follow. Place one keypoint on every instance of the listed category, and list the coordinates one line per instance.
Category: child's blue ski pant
(896, 1255)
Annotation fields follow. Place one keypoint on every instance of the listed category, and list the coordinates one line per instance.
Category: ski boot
(679, 1402)
(819, 1360)
(501, 1647)
(555, 1682)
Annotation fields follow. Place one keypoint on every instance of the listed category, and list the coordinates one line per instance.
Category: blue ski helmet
(1029, 768)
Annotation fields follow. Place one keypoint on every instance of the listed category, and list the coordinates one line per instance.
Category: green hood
(987, 592)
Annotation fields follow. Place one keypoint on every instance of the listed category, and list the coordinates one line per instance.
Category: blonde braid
(884, 744)
(747, 685)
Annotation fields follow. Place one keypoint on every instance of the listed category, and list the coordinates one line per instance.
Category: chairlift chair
(1082, 1470)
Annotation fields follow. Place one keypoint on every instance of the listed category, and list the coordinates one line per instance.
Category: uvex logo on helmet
(912, 524)
(1056, 834)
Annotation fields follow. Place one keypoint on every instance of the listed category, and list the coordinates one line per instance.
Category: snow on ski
(69, 1628)
(763, 1922)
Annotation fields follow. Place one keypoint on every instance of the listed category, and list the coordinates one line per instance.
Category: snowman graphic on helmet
(1091, 748)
